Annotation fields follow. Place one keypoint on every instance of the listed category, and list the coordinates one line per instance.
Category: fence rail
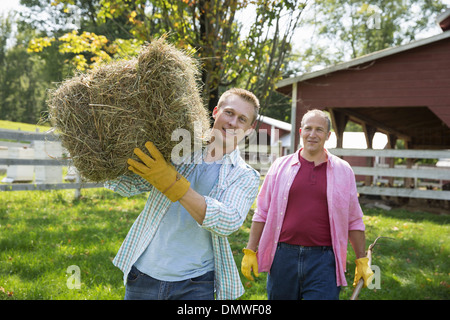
(403, 192)
(35, 162)
(16, 135)
(393, 153)
(414, 172)
(47, 186)
(261, 157)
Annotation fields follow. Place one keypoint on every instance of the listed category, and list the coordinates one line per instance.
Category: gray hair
(317, 112)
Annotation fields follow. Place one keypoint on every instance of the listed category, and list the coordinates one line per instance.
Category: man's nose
(233, 121)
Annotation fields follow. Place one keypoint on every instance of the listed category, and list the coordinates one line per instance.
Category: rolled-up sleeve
(128, 185)
(227, 215)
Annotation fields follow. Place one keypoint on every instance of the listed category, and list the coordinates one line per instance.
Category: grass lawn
(10, 125)
(43, 233)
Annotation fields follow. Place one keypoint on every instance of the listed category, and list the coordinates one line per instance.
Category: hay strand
(102, 115)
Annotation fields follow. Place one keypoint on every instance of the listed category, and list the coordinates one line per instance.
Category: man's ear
(215, 110)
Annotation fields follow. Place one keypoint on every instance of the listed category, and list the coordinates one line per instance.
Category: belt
(294, 246)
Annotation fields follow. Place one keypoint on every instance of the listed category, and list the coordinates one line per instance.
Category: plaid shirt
(227, 206)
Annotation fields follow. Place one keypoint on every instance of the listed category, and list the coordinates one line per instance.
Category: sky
(6, 5)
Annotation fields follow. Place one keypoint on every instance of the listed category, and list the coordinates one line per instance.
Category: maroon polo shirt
(306, 219)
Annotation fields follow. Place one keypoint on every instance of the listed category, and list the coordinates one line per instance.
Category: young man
(307, 209)
(177, 248)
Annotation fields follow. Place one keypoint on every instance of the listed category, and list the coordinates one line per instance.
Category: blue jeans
(299, 272)
(143, 287)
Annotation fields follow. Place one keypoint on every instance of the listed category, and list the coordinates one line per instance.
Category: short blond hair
(245, 95)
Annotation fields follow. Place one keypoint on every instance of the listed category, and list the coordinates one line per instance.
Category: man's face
(314, 134)
(233, 120)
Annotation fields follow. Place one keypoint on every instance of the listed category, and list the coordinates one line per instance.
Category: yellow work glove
(159, 173)
(249, 263)
(363, 271)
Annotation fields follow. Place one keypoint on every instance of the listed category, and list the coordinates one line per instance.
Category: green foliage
(208, 29)
(243, 43)
(23, 78)
(359, 27)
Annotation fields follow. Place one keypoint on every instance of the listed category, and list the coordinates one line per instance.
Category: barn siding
(419, 77)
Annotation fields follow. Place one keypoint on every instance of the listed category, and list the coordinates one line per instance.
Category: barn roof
(403, 92)
(363, 59)
(274, 122)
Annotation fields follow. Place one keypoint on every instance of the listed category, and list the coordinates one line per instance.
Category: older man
(307, 209)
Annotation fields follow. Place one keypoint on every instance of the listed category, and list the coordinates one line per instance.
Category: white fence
(42, 185)
(417, 174)
(261, 157)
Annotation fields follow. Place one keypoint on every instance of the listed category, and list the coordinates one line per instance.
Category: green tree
(22, 82)
(207, 28)
(355, 28)
(5, 34)
(24, 78)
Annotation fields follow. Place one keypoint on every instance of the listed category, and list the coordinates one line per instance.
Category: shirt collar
(232, 157)
(296, 161)
(228, 158)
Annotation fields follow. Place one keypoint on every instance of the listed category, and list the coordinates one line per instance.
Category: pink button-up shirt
(343, 207)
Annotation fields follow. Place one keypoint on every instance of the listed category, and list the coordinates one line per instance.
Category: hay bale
(102, 115)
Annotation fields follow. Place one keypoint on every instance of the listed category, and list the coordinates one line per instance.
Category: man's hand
(249, 263)
(363, 271)
(159, 173)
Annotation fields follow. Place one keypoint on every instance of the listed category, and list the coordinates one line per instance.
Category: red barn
(403, 92)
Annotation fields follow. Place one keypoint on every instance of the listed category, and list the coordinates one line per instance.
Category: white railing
(414, 173)
(261, 157)
(31, 136)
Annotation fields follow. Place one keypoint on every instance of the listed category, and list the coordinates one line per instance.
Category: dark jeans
(143, 287)
(299, 272)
